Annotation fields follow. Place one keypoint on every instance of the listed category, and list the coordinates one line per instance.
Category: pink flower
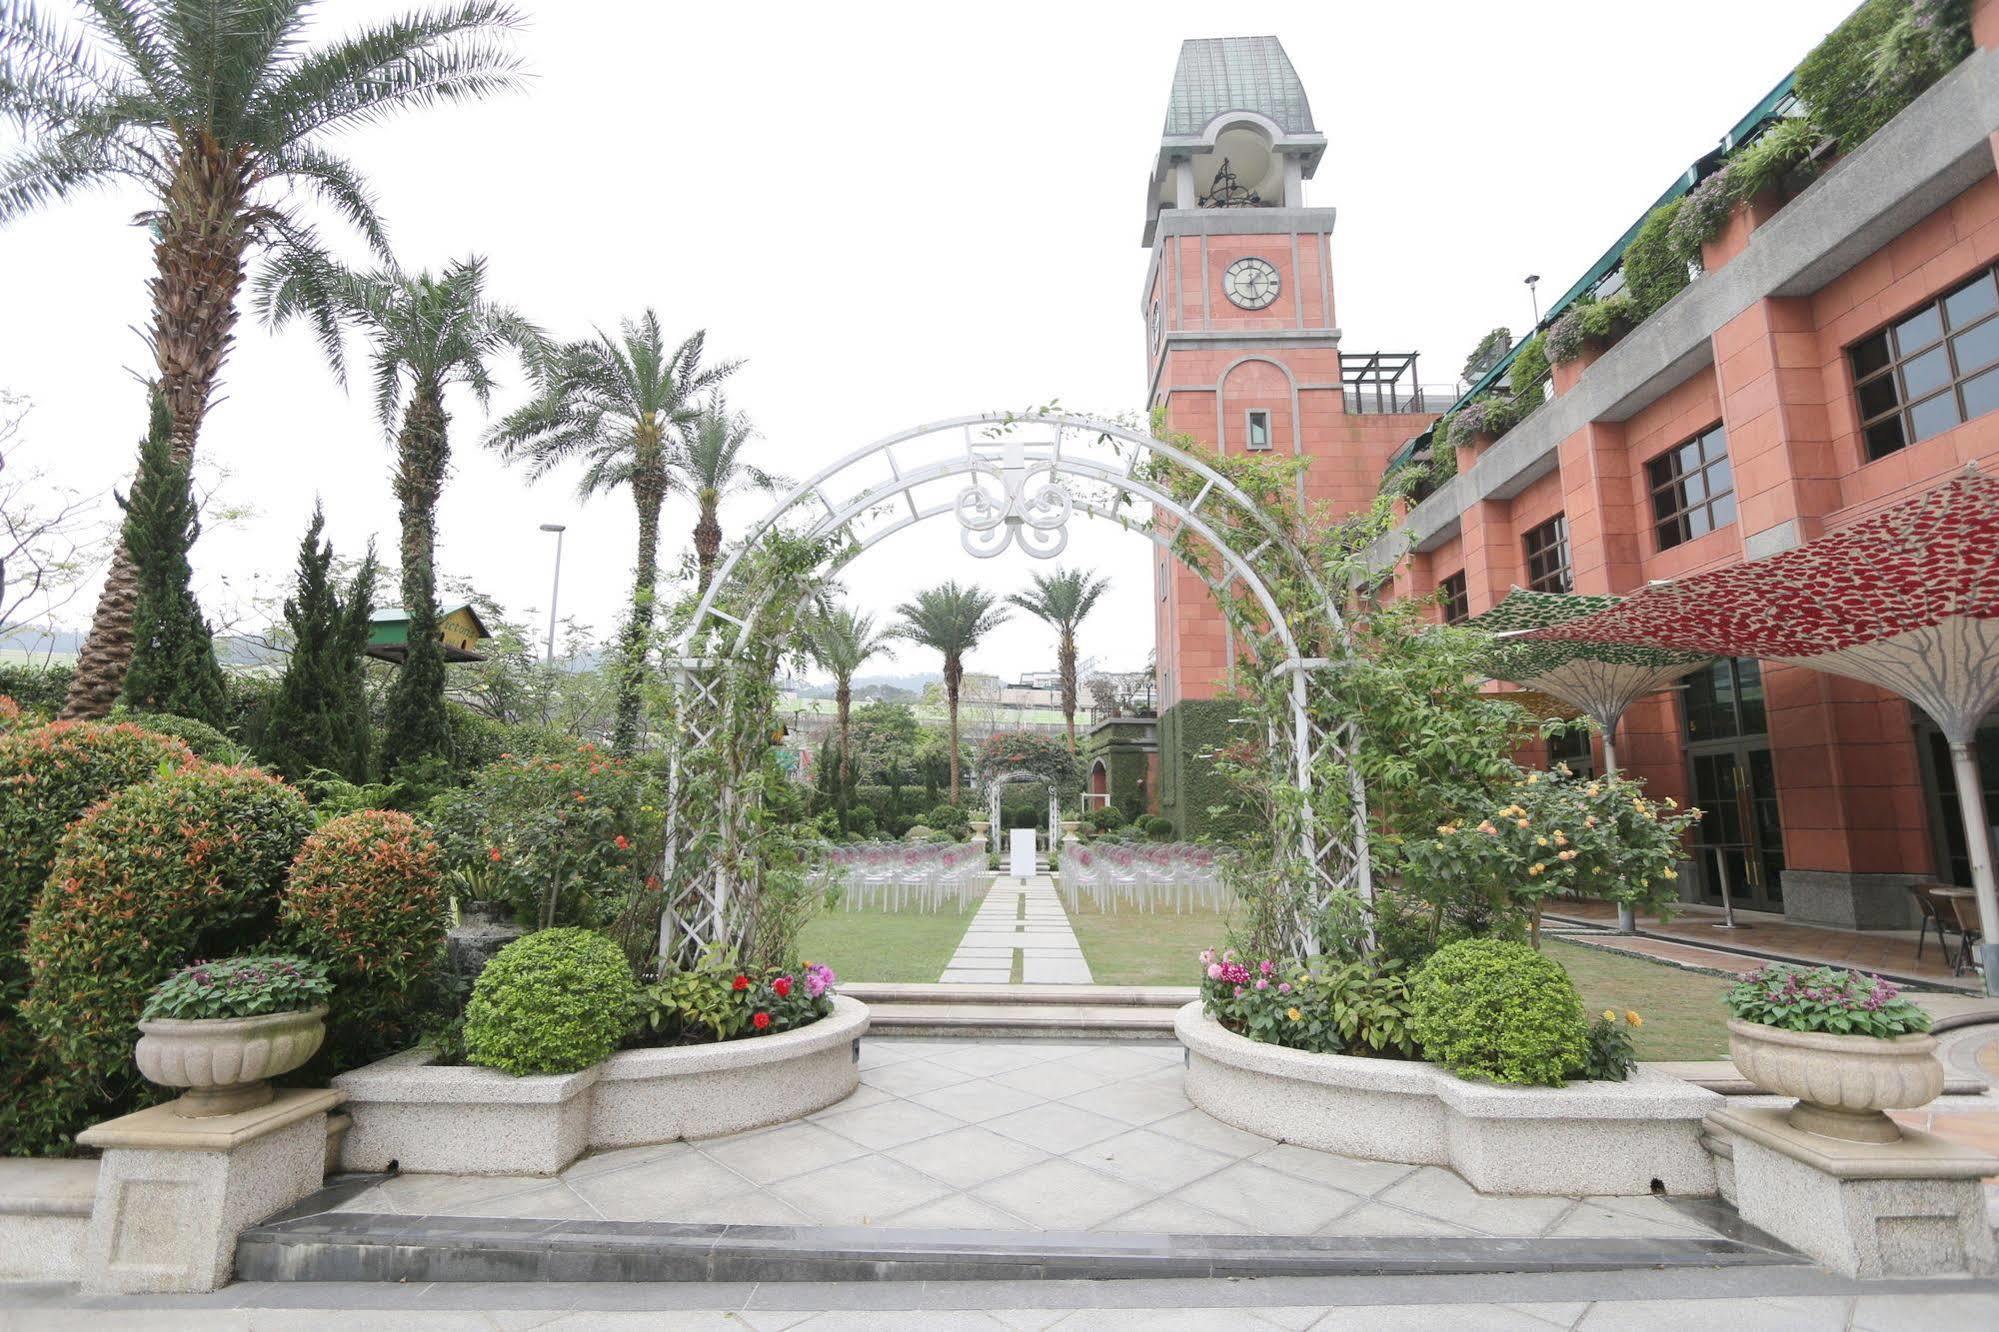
(1238, 991)
(1266, 966)
(1214, 971)
(1284, 987)
(1262, 984)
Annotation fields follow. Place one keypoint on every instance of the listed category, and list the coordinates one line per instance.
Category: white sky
(896, 213)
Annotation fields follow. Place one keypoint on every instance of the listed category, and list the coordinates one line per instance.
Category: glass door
(1735, 785)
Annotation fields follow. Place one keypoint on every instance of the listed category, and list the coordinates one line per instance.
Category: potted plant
(1848, 1046)
(220, 1029)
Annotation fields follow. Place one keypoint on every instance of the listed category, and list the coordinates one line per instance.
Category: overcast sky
(894, 213)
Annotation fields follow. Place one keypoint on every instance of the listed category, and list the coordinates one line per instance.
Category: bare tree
(43, 527)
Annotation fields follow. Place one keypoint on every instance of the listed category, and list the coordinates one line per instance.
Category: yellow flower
(1533, 777)
(1568, 855)
(1561, 838)
(1535, 869)
(1671, 803)
(1445, 830)
(1487, 827)
(1593, 789)
(1540, 841)
(1672, 874)
(1610, 1015)
(1293, 1014)
(1631, 1016)
(1590, 822)
(1522, 823)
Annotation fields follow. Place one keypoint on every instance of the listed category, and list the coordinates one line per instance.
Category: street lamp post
(1533, 280)
(556, 590)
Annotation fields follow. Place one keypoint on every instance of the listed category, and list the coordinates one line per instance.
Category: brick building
(1837, 351)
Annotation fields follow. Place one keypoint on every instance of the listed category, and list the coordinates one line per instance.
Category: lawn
(884, 945)
(1682, 1010)
(1147, 948)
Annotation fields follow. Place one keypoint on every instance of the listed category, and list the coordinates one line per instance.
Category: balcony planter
(1585, 1138)
(1843, 1083)
(224, 1063)
(1734, 236)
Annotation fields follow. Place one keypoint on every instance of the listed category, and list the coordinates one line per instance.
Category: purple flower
(1262, 984)
(1284, 987)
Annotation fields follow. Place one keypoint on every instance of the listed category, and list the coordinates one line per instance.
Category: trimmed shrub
(12, 718)
(162, 873)
(1500, 1011)
(366, 898)
(40, 690)
(1654, 271)
(209, 744)
(950, 819)
(554, 1002)
(1159, 828)
(1106, 817)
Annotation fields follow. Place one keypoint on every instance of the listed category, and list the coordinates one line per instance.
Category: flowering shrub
(1587, 322)
(1825, 999)
(365, 896)
(1558, 833)
(1490, 415)
(12, 717)
(1351, 1009)
(184, 866)
(1702, 216)
(720, 1001)
(568, 841)
(553, 1002)
(1608, 1055)
(1492, 1009)
(239, 987)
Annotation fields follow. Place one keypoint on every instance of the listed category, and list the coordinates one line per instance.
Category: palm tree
(842, 640)
(1063, 599)
(951, 620)
(617, 402)
(427, 334)
(712, 462)
(221, 110)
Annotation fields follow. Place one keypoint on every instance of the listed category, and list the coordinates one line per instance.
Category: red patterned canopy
(1907, 599)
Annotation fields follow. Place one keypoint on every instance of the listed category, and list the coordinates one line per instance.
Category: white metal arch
(713, 637)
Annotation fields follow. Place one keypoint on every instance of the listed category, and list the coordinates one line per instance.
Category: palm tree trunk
(416, 725)
(708, 537)
(954, 675)
(197, 271)
(843, 700)
(1068, 666)
(649, 493)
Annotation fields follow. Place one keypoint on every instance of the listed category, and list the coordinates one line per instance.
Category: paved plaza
(1029, 1135)
(1023, 917)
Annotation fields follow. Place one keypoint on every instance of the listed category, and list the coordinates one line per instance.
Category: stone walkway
(1024, 918)
(1028, 1135)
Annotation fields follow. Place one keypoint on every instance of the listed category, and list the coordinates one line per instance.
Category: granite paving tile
(773, 1154)
(1341, 1172)
(1055, 1127)
(1203, 1130)
(1281, 1204)
(976, 1101)
(1438, 1193)
(860, 1192)
(1061, 1195)
(1150, 1160)
(967, 1156)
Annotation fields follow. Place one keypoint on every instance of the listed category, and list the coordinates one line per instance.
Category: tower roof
(1218, 74)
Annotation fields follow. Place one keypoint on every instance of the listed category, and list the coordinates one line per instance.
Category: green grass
(1682, 1010)
(1154, 948)
(883, 945)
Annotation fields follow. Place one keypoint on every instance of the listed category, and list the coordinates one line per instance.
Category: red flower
(742, 983)
(494, 854)
(761, 1021)
(622, 842)
(783, 987)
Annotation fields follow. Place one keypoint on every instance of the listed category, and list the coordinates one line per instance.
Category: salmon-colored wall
(1849, 782)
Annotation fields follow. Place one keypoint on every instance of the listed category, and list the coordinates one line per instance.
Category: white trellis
(1016, 471)
(994, 834)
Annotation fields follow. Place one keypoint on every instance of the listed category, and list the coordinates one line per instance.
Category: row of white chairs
(925, 876)
(1163, 876)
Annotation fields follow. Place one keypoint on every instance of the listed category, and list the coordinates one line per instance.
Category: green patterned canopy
(1599, 679)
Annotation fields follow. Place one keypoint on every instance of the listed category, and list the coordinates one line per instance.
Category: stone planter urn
(1843, 1083)
(1071, 828)
(224, 1062)
(980, 827)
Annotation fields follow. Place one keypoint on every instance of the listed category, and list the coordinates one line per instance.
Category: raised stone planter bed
(1586, 1138)
(479, 1121)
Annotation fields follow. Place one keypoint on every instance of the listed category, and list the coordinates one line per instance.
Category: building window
(1693, 491)
(1548, 556)
(1930, 370)
(1256, 430)
(1457, 601)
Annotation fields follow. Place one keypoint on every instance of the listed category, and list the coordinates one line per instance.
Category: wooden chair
(1970, 929)
(1933, 912)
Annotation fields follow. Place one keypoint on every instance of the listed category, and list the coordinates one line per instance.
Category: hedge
(553, 1002)
(1189, 785)
(161, 874)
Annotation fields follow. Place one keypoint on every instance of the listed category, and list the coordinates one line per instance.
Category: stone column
(173, 1194)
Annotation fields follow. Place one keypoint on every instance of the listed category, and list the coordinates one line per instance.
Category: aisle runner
(1029, 919)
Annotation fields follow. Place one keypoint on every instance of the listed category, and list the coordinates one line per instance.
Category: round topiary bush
(1498, 1010)
(1159, 828)
(556, 1001)
(366, 898)
(207, 743)
(1104, 818)
(163, 872)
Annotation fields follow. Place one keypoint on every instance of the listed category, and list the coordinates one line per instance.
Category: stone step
(1016, 1021)
(873, 993)
(364, 1246)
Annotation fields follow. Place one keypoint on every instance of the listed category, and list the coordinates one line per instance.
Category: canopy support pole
(1978, 841)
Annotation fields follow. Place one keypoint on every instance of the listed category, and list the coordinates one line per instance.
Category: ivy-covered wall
(1126, 769)
(1188, 784)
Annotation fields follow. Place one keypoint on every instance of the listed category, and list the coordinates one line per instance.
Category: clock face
(1251, 283)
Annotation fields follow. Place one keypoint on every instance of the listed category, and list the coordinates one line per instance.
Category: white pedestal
(1020, 857)
(1891, 1209)
(173, 1194)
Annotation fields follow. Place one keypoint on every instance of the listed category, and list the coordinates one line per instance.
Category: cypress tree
(319, 718)
(173, 654)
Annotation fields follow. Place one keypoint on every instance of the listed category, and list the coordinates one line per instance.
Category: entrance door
(1735, 785)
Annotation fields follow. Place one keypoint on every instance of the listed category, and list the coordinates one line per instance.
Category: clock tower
(1243, 349)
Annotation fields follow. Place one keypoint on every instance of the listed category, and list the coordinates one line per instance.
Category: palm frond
(51, 173)
(336, 182)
